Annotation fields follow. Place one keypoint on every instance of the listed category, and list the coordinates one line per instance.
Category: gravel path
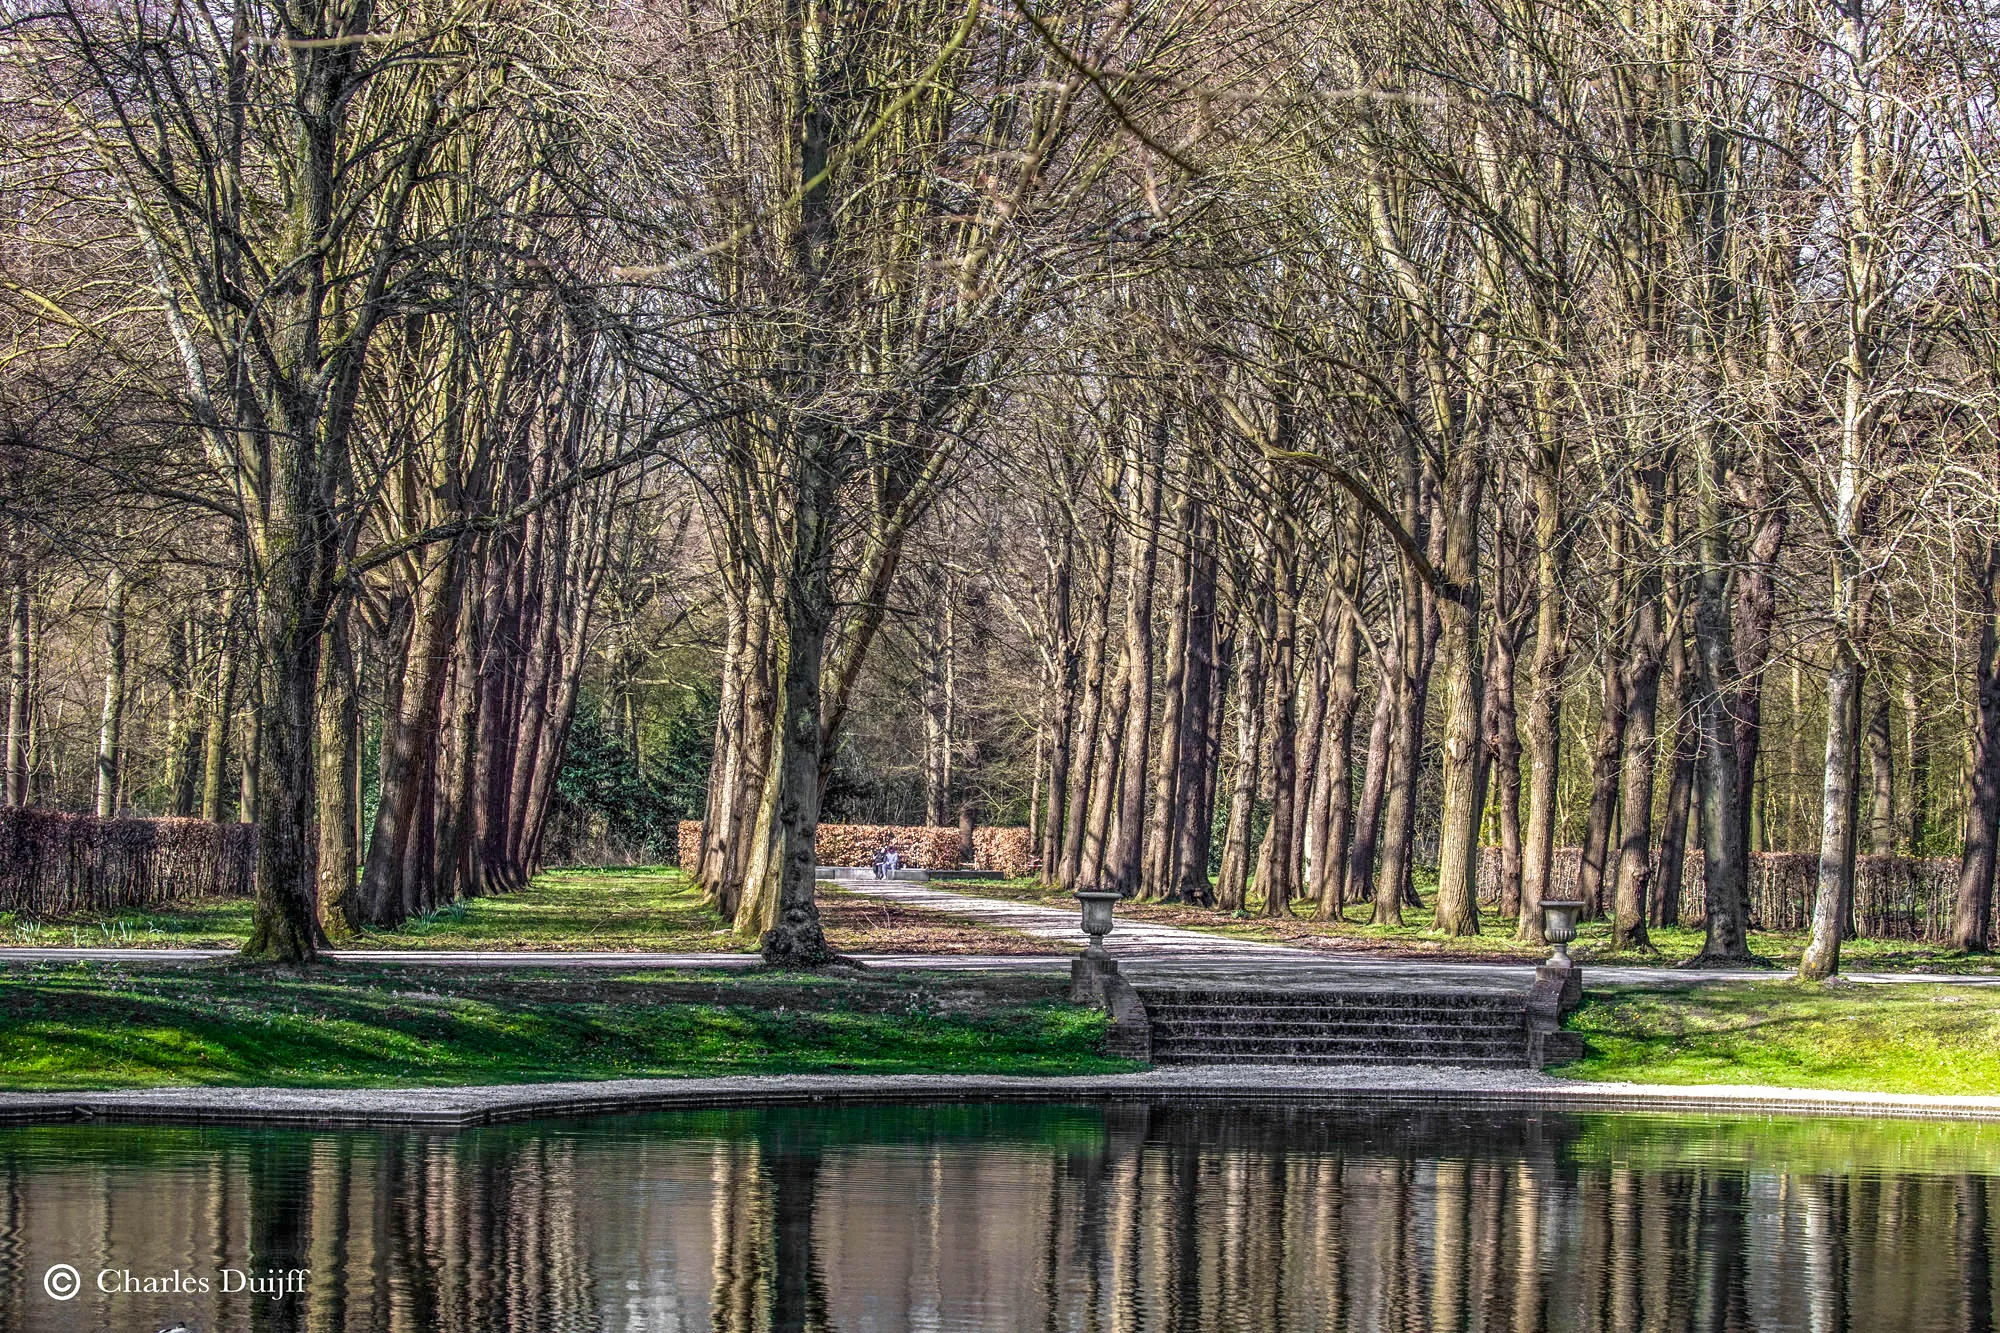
(1149, 950)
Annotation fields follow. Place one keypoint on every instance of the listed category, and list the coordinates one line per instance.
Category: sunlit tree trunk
(1972, 911)
(111, 725)
(1881, 772)
(1122, 853)
(215, 747)
(1097, 624)
(1157, 871)
(339, 779)
(18, 663)
(1201, 718)
(1550, 662)
(1232, 879)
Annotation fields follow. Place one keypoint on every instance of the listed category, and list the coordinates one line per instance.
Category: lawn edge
(469, 1106)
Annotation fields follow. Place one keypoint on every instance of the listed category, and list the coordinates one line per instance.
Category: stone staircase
(1338, 1026)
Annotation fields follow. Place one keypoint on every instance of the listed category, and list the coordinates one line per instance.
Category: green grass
(116, 1025)
(646, 909)
(638, 909)
(1892, 1038)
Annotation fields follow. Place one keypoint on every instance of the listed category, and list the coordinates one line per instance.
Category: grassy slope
(105, 1026)
(1895, 1038)
(365, 1025)
(624, 909)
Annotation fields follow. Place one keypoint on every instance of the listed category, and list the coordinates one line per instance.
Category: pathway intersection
(1144, 948)
(1146, 952)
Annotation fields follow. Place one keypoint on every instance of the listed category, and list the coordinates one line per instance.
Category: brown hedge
(690, 842)
(52, 863)
(1895, 897)
(1005, 851)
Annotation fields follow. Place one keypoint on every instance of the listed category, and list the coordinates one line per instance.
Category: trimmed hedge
(52, 863)
(1009, 852)
(689, 840)
(1005, 851)
(1895, 897)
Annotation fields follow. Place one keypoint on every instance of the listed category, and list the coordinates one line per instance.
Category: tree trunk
(1062, 723)
(410, 734)
(1122, 854)
(1405, 751)
(725, 755)
(1360, 886)
(795, 939)
(111, 726)
(1680, 786)
(1545, 671)
(940, 672)
(1105, 766)
(183, 737)
(250, 789)
(1309, 791)
(1157, 873)
(1231, 881)
(1834, 893)
(1916, 811)
(1641, 692)
(297, 552)
(215, 750)
(761, 883)
(455, 870)
(1461, 644)
(1194, 798)
(1756, 608)
(1458, 841)
(1604, 775)
(1972, 913)
(1504, 747)
(751, 761)
(1881, 772)
(17, 671)
(339, 778)
(1097, 629)
(1333, 786)
(1278, 859)
(1724, 883)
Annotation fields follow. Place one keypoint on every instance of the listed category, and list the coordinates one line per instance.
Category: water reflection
(1130, 1217)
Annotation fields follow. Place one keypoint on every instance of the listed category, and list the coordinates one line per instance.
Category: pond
(869, 1219)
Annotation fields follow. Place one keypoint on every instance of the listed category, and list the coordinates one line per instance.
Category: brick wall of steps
(1338, 1027)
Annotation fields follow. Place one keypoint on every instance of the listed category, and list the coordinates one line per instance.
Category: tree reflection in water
(1127, 1217)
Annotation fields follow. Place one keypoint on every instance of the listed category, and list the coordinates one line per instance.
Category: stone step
(1242, 997)
(1512, 1060)
(1178, 1030)
(1332, 1040)
(1315, 1013)
(1212, 1024)
(1359, 1012)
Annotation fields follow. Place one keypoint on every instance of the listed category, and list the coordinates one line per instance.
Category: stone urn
(1087, 974)
(1559, 917)
(1097, 921)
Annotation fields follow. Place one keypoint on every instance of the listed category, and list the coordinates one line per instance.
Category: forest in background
(1266, 450)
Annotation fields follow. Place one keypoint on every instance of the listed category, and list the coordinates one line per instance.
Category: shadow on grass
(115, 1027)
